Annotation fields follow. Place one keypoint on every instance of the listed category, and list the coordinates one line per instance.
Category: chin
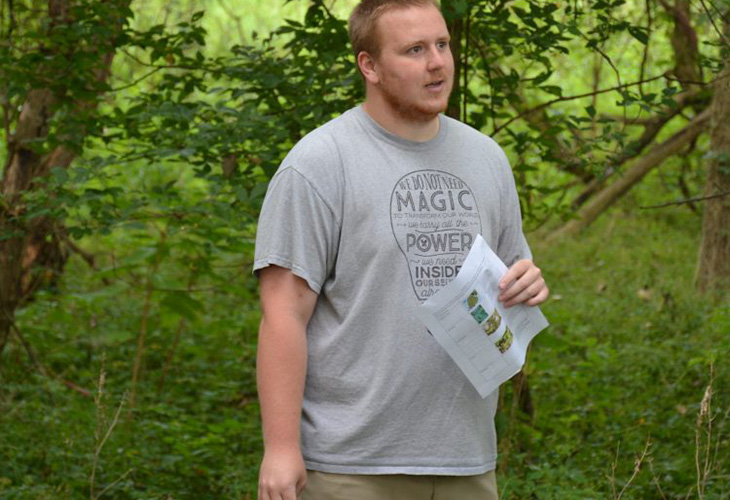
(422, 108)
(422, 112)
(431, 112)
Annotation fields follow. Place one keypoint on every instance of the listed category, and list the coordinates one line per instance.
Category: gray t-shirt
(376, 224)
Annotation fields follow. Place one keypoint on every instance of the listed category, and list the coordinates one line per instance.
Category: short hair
(363, 21)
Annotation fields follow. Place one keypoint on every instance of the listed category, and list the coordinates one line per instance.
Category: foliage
(626, 360)
(624, 366)
(160, 209)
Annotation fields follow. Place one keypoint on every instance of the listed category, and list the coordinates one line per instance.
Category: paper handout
(487, 341)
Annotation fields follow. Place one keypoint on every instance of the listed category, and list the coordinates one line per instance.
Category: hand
(282, 475)
(523, 284)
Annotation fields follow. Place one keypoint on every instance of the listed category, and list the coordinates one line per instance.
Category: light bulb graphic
(435, 219)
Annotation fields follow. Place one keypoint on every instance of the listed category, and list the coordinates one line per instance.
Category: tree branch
(87, 256)
(688, 200)
(652, 127)
(645, 55)
(632, 175)
(561, 150)
(573, 97)
(717, 30)
(135, 82)
(41, 368)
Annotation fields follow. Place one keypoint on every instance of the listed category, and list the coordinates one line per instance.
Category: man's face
(415, 67)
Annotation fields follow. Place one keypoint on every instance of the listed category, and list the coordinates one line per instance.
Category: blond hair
(363, 21)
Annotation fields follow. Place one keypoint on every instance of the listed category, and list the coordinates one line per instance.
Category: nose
(437, 57)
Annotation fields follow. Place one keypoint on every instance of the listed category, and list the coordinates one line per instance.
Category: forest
(137, 142)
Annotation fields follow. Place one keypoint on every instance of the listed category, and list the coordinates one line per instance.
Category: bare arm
(287, 303)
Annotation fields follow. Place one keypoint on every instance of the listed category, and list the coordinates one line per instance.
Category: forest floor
(629, 384)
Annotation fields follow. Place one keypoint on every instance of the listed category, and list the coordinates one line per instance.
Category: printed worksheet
(487, 341)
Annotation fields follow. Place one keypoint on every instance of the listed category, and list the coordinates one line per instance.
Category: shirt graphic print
(435, 219)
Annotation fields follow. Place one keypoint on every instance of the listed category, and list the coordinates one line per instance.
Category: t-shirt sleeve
(512, 243)
(297, 229)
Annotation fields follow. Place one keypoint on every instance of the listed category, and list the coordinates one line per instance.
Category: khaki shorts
(324, 486)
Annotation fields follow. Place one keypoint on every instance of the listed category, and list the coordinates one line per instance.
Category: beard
(418, 109)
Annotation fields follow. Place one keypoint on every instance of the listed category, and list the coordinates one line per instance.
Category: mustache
(437, 80)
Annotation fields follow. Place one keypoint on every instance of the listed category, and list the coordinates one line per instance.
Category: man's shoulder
(466, 138)
(327, 134)
(317, 155)
(468, 133)
(321, 145)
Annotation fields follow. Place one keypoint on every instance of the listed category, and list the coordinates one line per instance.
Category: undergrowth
(619, 383)
(619, 378)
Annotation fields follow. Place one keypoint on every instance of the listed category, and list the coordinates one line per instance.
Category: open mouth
(435, 84)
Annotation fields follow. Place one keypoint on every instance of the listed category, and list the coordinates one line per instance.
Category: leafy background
(131, 373)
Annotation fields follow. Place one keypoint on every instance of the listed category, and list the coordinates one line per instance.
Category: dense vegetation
(129, 313)
(624, 366)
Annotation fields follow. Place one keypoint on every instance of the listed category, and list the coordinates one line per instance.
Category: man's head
(364, 35)
(402, 50)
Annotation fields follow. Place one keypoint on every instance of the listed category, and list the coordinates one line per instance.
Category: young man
(368, 216)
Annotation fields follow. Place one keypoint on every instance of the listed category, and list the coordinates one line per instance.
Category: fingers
(523, 284)
(533, 291)
(289, 494)
(282, 476)
(273, 494)
(301, 484)
(539, 298)
(514, 272)
(518, 278)
(264, 493)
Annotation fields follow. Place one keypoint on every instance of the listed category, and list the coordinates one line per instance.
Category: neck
(410, 128)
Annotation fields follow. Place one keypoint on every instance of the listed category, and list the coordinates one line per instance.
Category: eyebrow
(421, 41)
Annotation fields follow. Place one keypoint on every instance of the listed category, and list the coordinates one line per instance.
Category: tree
(228, 120)
(507, 56)
(223, 123)
(54, 72)
(713, 274)
(140, 151)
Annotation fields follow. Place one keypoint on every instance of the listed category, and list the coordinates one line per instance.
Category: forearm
(281, 370)
(287, 304)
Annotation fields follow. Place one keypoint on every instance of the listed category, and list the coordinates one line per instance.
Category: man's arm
(287, 303)
(523, 284)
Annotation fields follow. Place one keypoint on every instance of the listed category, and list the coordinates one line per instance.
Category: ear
(368, 67)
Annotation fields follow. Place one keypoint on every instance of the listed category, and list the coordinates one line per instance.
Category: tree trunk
(33, 248)
(713, 272)
(685, 44)
(30, 248)
(456, 30)
(634, 174)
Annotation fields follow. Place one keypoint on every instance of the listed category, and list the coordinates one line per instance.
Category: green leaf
(552, 89)
(640, 33)
(183, 304)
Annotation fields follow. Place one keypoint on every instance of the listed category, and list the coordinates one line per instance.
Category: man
(368, 216)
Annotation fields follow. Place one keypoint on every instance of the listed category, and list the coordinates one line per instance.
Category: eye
(417, 49)
(442, 45)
